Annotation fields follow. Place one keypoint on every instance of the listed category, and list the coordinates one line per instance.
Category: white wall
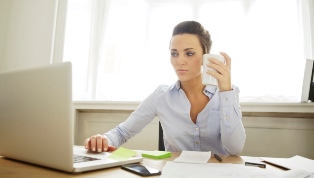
(311, 12)
(272, 130)
(307, 9)
(29, 31)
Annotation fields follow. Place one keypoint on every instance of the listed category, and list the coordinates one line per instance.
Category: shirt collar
(178, 84)
(209, 89)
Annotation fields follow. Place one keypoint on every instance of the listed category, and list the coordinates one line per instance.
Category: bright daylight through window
(120, 48)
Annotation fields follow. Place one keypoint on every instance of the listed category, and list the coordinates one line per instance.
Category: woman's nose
(181, 60)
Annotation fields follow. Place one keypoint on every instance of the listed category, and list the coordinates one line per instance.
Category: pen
(218, 157)
(255, 164)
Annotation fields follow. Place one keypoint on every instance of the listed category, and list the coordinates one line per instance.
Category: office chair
(161, 146)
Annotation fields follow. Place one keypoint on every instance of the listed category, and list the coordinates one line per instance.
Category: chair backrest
(161, 146)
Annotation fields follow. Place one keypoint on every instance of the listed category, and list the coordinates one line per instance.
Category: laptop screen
(36, 123)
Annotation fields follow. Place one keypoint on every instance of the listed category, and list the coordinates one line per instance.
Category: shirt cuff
(228, 98)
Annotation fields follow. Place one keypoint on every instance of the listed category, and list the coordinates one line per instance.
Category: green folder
(156, 154)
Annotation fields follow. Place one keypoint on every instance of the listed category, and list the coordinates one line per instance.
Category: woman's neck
(193, 86)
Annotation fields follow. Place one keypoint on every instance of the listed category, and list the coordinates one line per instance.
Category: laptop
(37, 123)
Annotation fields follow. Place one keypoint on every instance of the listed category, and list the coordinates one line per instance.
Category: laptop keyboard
(78, 159)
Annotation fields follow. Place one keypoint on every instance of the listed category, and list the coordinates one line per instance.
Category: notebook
(37, 123)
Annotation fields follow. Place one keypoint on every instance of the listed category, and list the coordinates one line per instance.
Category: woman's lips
(182, 71)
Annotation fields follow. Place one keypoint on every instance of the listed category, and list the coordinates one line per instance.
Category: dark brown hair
(194, 28)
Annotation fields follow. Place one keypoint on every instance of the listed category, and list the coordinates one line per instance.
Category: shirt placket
(197, 140)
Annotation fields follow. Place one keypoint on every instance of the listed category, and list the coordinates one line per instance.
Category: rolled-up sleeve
(232, 130)
(135, 123)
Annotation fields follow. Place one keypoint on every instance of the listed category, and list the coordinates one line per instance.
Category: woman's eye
(190, 53)
(173, 54)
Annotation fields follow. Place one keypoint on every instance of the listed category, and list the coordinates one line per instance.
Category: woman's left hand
(223, 74)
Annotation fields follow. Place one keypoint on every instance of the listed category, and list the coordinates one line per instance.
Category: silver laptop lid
(36, 123)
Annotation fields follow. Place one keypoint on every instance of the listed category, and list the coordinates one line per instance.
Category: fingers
(222, 73)
(93, 143)
(87, 144)
(111, 148)
(227, 58)
(105, 143)
(219, 65)
(97, 143)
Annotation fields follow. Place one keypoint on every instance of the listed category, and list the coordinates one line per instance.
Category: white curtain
(119, 48)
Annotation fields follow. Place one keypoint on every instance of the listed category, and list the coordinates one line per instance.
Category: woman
(194, 116)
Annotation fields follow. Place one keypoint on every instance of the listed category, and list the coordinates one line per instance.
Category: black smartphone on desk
(141, 170)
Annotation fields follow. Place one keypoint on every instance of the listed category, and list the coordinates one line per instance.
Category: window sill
(246, 107)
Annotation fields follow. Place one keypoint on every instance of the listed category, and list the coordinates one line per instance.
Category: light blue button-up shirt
(218, 127)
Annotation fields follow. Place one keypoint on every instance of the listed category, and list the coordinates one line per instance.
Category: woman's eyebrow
(186, 49)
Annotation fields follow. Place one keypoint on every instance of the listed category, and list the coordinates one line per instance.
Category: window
(119, 48)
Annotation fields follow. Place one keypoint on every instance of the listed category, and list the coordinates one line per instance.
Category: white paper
(302, 163)
(297, 173)
(193, 157)
(295, 162)
(214, 170)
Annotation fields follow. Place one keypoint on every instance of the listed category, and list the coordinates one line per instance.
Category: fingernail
(99, 149)
(105, 149)
(93, 149)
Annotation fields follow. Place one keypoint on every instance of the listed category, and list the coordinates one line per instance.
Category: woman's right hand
(98, 143)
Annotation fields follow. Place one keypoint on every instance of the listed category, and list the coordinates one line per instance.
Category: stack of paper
(193, 157)
(184, 166)
(213, 170)
(294, 163)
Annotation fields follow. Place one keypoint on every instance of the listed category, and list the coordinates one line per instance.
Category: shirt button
(226, 117)
(224, 99)
(197, 143)
(196, 128)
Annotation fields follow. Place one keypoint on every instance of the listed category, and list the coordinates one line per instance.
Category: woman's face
(186, 56)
